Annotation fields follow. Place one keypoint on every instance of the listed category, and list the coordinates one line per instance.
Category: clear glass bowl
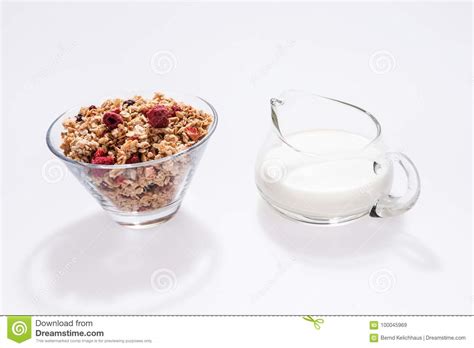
(141, 194)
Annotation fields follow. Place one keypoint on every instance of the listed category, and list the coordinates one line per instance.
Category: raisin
(128, 102)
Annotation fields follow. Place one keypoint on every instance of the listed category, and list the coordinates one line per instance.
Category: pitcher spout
(275, 102)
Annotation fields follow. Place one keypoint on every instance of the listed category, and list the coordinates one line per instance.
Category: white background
(226, 252)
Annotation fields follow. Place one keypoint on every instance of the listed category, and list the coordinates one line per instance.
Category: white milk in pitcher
(331, 176)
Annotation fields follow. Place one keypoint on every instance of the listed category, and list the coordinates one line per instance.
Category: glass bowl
(141, 194)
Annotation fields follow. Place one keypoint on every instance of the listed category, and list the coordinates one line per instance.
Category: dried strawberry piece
(103, 160)
(158, 116)
(100, 152)
(133, 159)
(193, 133)
(112, 119)
(119, 179)
(108, 160)
(176, 107)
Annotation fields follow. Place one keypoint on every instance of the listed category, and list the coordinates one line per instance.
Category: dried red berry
(79, 117)
(100, 152)
(158, 116)
(193, 133)
(92, 107)
(119, 179)
(98, 172)
(133, 159)
(112, 120)
(176, 107)
(103, 160)
(107, 160)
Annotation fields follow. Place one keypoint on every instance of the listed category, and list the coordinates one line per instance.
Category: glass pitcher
(324, 162)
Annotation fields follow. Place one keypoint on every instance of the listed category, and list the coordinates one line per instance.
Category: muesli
(133, 131)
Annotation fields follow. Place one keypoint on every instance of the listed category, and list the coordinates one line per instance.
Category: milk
(330, 175)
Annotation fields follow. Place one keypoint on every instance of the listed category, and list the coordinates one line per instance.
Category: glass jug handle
(394, 205)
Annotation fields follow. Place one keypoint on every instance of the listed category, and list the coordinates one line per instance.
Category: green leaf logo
(19, 328)
(316, 322)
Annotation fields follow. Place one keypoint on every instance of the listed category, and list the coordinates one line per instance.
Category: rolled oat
(132, 131)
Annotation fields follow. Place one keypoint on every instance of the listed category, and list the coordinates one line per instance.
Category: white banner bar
(238, 331)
